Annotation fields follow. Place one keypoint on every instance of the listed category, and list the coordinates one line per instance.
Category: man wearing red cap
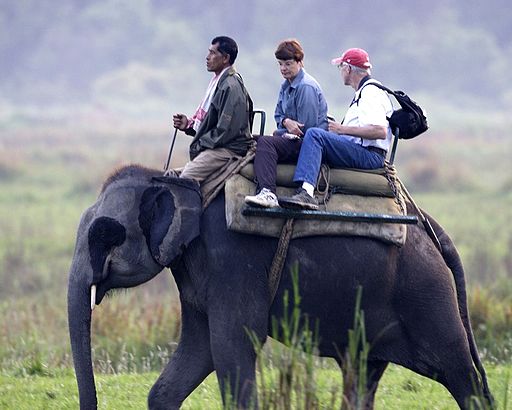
(361, 140)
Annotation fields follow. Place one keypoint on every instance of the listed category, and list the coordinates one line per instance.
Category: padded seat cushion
(350, 181)
(238, 186)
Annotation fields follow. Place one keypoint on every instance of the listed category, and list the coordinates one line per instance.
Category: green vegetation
(399, 389)
(89, 87)
(49, 175)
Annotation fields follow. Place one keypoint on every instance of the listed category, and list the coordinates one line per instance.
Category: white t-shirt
(371, 107)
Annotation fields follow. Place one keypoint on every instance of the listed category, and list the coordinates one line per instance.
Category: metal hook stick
(170, 150)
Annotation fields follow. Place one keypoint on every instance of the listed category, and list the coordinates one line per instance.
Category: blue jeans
(336, 151)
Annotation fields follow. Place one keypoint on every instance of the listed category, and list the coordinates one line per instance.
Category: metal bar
(328, 215)
(263, 119)
(168, 162)
(395, 143)
(262, 122)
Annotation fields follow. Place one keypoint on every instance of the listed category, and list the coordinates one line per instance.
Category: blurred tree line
(151, 52)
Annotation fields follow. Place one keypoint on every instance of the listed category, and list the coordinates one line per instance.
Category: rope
(392, 177)
(399, 189)
(276, 269)
(325, 176)
(423, 218)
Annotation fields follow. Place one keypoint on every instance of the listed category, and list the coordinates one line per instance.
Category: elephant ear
(169, 216)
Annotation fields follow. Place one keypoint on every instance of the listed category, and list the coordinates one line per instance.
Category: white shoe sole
(255, 202)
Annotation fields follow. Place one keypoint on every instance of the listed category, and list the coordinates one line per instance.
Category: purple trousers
(269, 151)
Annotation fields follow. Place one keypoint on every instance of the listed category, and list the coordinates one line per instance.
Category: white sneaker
(265, 198)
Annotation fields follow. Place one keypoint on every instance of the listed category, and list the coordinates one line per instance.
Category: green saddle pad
(240, 185)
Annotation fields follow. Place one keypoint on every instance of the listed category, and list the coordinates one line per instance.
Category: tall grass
(287, 372)
(49, 175)
(355, 361)
(491, 317)
(135, 331)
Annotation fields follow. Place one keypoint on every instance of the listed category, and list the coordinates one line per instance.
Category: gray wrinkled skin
(413, 297)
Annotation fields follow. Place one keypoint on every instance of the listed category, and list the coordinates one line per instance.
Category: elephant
(413, 297)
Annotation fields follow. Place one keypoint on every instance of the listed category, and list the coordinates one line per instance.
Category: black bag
(410, 119)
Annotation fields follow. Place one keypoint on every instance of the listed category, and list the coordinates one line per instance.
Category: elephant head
(139, 224)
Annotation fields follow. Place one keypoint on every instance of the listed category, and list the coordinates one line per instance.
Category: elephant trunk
(79, 321)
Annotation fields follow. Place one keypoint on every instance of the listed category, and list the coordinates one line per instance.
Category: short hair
(227, 46)
(290, 49)
(360, 70)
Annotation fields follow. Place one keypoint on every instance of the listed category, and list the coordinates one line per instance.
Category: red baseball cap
(354, 56)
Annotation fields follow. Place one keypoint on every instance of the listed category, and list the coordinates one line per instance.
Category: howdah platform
(327, 215)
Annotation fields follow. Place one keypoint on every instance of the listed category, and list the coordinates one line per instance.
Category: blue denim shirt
(301, 100)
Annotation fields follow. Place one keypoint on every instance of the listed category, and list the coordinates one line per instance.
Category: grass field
(49, 175)
(399, 389)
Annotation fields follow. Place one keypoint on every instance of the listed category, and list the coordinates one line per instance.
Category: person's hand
(293, 127)
(180, 121)
(333, 126)
(291, 136)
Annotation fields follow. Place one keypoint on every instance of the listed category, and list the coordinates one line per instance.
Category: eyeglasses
(344, 64)
(287, 63)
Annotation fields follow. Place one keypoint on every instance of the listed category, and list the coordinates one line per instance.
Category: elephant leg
(234, 358)
(448, 362)
(189, 365)
(375, 370)
(440, 350)
(237, 380)
(352, 398)
(462, 382)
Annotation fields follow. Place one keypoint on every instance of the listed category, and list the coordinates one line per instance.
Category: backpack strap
(378, 85)
(382, 87)
(395, 131)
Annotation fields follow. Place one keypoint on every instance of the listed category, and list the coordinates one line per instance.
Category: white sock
(310, 189)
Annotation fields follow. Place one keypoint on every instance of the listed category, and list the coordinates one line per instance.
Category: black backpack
(409, 120)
